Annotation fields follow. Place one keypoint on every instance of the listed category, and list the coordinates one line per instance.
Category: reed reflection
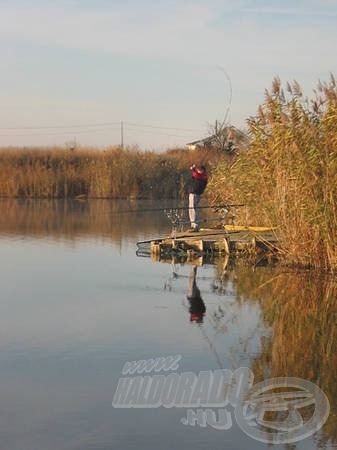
(59, 219)
(296, 330)
(301, 309)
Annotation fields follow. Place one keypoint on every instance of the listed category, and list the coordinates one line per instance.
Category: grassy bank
(112, 173)
(288, 178)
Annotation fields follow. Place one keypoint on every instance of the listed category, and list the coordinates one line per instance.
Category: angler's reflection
(197, 307)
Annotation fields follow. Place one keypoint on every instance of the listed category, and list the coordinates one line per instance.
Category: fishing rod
(180, 208)
(201, 221)
(188, 235)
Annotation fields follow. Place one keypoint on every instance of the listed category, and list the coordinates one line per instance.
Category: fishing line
(230, 96)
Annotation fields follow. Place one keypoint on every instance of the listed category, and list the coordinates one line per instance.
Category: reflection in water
(301, 310)
(197, 307)
(68, 325)
(59, 219)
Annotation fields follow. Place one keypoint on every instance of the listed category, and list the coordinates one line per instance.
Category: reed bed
(288, 177)
(94, 173)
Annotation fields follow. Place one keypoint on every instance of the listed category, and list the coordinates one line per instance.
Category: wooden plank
(232, 238)
(196, 244)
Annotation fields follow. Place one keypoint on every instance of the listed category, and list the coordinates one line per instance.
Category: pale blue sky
(75, 69)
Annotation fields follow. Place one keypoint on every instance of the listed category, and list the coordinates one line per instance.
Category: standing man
(198, 185)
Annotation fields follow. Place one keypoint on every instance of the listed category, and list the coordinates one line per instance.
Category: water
(77, 303)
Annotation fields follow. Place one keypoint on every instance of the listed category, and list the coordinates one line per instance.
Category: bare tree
(222, 137)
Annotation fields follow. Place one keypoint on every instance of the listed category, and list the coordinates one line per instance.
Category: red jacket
(199, 181)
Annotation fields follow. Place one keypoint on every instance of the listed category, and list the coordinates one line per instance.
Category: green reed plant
(288, 177)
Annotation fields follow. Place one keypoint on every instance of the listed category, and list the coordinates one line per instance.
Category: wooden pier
(227, 240)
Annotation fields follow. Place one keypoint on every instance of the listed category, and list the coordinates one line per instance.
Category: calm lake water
(78, 303)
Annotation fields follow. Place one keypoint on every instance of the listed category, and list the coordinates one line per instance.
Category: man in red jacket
(198, 185)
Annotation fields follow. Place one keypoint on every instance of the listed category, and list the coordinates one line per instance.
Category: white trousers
(193, 201)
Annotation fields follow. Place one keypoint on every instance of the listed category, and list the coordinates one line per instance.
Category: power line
(92, 125)
(158, 133)
(163, 128)
(64, 133)
(105, 126)
(60, 126)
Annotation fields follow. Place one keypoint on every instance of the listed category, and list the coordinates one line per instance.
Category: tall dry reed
(111, 173)
(288, 177)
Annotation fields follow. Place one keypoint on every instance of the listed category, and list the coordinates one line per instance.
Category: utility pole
(122, 135)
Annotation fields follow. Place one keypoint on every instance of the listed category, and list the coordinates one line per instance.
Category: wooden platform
(230, 239)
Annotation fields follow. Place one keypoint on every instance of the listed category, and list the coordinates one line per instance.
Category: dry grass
(112, 173)
(288, 178)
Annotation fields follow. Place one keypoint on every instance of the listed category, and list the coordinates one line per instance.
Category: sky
(155, 74)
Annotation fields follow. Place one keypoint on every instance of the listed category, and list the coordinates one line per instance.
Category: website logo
(275, 411)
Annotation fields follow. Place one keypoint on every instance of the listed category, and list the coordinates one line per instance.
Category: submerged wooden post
(252, 245)
(222, 246)
(225, 246)
(199, 245)
(155, 248)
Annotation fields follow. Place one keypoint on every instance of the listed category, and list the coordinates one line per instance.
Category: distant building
(229, 138)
